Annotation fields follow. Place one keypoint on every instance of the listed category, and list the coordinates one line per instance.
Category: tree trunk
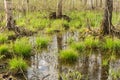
(101, 3)
(107, 18)
(91, 4)
(96, 3)
(27, 3)
(9, 17)
(59, 9)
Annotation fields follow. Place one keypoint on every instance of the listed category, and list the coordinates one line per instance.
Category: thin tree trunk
(101, 3)
(85, 3)
(96, 2)
(59, 9)
(9, 17)
(27, 5)
(91, 4)
(107, 18)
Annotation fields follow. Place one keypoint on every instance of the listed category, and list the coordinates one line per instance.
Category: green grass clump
(17, 64)
(79, 46)
(108, 44)
(70, 40)
(42, 42)
(4, 49)
(22, 47)
(117, 44)
(90, 42)
(75, 24)
(68, 56)
(111, 44)
(59, 24)
(3, 38)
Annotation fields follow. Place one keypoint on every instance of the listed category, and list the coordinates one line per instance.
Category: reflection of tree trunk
(107, 19)
(85, 67)
(9, 17)
(59, 42)
(105, 70)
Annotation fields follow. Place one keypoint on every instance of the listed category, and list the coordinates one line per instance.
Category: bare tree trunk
(85, 3)
(91, 4)
(27, 3)
(9, 17)
(107, 18)
(59, 9)
(101, 3)
(96, 3)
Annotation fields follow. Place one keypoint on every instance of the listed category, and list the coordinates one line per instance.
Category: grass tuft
(22, 47)
(42, 42)
(17, 64)
(68, 56)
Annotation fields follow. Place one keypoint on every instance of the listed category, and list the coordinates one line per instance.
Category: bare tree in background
(9, 17)
(96, 3)
(101, 3)
(59, 9)
(91, 4)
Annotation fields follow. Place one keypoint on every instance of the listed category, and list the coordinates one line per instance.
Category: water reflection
(45, 64)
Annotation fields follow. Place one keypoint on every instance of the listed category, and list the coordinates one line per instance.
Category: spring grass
(17, 64)
(42, 42)
(79, 46)
(90, 42)
(22, 47)
(68, 56)
(78, 20)
(3, 38)
(111, 44)
(4, 49)
(59, 24)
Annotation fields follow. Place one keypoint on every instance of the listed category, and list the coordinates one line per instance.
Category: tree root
(115, 32)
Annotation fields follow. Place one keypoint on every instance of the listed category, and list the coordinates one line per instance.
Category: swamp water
(45, 65)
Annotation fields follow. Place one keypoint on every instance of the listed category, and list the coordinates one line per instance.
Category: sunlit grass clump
(68, 56)
(17, 64)
(117, 43)
(59, 24)
(3, 38)
(22, 47)
(42, 42)
(4, 49)
(79, 46)
(111, 44)
(108, 44)
(90, 42)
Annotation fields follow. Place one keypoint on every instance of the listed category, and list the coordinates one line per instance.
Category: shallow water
(45, 64)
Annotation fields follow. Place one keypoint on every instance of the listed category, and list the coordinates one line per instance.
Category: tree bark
(59, 9)
(9, 17)
(101, 3)
(107, 18)
(91, 4)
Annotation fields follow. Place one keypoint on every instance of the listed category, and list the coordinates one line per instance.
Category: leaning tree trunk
(9, 17)
(107, 18)
(59, 9)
